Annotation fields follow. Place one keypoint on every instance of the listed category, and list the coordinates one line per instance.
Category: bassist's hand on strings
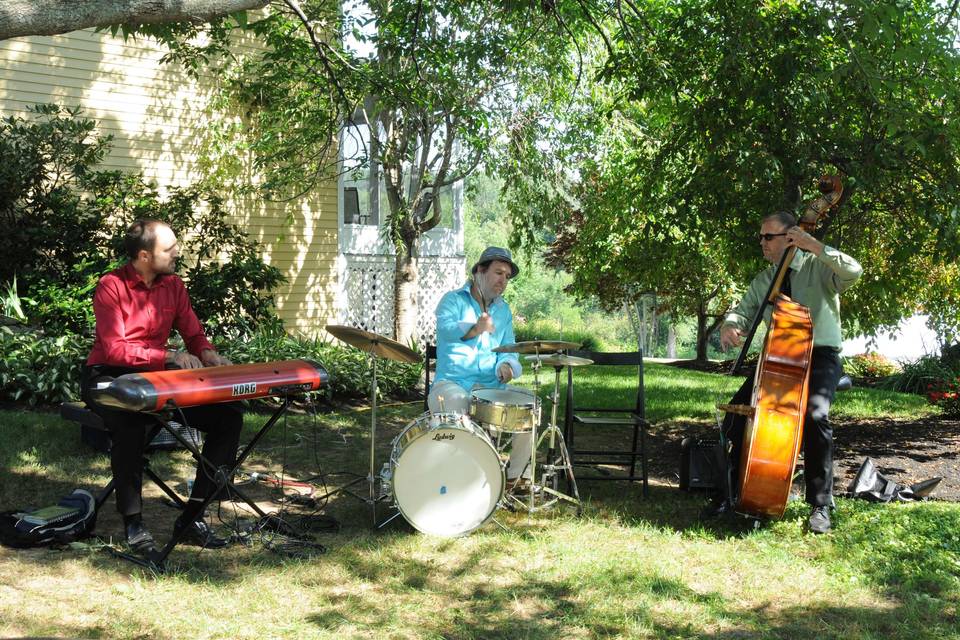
(730, 336)
(799, 238)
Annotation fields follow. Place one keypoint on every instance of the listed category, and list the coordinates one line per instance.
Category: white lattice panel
(368, 288)
(368, 285)
(437, 276)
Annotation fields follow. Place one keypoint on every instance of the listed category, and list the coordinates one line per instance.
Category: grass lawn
(628, 568)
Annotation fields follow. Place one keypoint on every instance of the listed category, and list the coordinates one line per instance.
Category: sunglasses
(767, 237)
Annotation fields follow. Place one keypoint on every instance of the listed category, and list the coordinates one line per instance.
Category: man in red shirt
(136, 307)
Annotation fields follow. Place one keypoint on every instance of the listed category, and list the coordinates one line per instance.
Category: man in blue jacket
(471, 322)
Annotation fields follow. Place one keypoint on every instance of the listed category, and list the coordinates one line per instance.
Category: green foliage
(11, 304)
(709, 114)
(427, 85)
(538, 296)
(950, 357)
(945, 394)
(546, 329)
(53, 235)
(349, 368)
(869, 365)
(39, 369)
(920, 375)
(66, 222)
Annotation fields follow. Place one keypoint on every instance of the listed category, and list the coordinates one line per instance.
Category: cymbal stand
(373, 496)
(533, 435)
(556, 438)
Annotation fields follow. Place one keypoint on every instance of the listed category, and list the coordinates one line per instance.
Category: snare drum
(446, 475)
(508, 410)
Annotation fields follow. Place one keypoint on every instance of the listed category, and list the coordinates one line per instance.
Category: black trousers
(128, 429)
(825, 372)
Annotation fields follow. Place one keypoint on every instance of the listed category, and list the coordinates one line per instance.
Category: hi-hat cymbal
(373, 343)
(536, 346)
(560, 360)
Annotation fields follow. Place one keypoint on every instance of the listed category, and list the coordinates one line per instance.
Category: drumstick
(483, 297)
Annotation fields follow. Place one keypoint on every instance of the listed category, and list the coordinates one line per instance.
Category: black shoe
(715, 508)
(200, 534)
(140, 541)
(819, 520)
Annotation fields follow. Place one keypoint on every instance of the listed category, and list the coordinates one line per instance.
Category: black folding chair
(579, 418)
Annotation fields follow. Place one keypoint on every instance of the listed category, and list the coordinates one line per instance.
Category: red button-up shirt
(134, 321)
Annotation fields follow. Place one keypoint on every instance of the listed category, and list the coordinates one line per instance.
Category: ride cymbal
(536, 346)
(560, 360)
(373, 343)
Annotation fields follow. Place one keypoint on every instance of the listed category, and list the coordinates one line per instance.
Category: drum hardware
(377, 346)
(553, 465)
(558, 456)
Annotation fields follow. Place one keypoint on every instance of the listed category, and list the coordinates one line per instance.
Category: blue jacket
(472, 362)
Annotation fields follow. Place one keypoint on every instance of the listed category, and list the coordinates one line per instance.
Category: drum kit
(446, 474)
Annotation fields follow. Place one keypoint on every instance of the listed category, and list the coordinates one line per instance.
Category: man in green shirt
(817, 276)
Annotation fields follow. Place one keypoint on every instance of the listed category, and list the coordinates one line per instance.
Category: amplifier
(697, 464)
(100, 440)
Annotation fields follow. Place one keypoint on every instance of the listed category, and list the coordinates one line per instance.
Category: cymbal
(534, 346)
(560, 360)
(373, 343)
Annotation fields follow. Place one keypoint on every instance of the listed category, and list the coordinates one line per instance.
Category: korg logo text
(244, 388)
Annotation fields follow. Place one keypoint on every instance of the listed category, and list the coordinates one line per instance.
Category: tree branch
(51, 17)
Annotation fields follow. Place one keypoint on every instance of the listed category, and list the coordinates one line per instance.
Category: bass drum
(446, 475)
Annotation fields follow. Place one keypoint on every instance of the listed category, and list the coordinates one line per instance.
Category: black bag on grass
(73, 518)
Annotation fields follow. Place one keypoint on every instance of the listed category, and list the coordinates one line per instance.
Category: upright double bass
(774, 417)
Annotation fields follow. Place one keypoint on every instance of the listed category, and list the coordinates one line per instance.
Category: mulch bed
(905, 451)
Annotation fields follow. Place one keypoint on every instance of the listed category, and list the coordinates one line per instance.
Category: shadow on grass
(611, 603)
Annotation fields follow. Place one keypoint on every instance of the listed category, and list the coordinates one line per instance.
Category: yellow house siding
(161, 126)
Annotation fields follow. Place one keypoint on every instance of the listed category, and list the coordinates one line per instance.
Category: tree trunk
(702, 335)
(50, 17)
(671, 340)
(405, 286)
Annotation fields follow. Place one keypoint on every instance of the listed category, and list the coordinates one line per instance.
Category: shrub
(47, 225)
(946, 395)
(919, 376)
(40, 369)
(950, 357)
(64, 223)
(869, 365)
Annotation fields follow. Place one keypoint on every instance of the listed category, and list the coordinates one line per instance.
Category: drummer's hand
(505, 372)
(183, 360)
(485, 323)
(211, 358)
(730, 336)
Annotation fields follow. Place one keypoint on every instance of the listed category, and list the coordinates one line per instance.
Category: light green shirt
(815, 282)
